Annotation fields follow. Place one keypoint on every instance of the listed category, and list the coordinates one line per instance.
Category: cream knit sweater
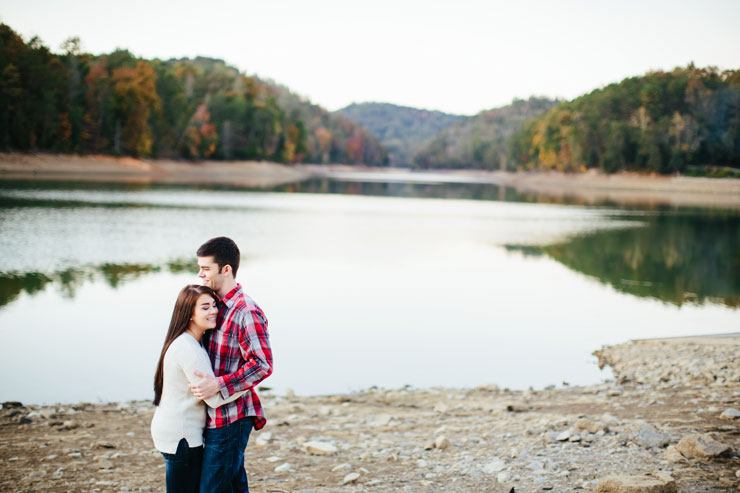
(180, 414)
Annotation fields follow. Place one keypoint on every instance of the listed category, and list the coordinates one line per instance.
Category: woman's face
(204, 313)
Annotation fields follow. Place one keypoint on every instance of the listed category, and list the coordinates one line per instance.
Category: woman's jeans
(183, 468)
(223, 458)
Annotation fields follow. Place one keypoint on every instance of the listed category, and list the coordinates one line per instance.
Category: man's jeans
(182, 469)
(223, 458)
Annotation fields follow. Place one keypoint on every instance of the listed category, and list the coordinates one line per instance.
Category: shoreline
(98, 168)
(642, 426)
(588, 188)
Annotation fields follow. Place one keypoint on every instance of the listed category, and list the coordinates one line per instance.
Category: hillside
(202, 108)
(481, 141)
(331, 137)
(402, 130)
(663, 122)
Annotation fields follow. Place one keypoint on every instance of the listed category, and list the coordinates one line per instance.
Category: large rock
(653, 483)
(730, 413)
(342, 467)
(651, 438)
(285, 467)
(591, 426)
(381, 420)
(494, 466)
(319, 448)
(263, 438)
(563, 436)
(702, 446)
(671, 454)
(351, 478)
(442, 442)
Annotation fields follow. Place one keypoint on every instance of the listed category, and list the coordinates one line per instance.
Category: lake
(364, 283)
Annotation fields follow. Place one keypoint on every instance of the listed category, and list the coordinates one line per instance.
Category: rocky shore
(667, 422)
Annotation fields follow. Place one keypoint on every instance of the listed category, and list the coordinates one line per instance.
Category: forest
(683, 121)
(482, 141)
(201, 108)
(662, 122)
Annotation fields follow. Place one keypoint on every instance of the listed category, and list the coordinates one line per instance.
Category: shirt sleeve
(198, 361)
(254, 344)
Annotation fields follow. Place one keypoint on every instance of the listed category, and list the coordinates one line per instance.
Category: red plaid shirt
(239, 348)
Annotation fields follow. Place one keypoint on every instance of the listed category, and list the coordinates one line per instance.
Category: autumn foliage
(197, 108)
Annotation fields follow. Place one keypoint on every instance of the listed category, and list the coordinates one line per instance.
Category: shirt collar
(231, 296)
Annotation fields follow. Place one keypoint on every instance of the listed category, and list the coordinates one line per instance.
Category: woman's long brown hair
(181, 315)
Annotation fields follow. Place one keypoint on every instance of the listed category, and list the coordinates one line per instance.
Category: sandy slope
(250, 174)
(591, 187)
(587, 188)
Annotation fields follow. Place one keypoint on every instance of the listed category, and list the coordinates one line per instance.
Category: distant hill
(330, 137)
(481, 141)
(661, 122)
(402, 130)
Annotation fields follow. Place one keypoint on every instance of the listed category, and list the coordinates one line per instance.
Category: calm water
(363, 283)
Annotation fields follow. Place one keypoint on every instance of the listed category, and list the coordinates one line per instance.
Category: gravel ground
(481, 439)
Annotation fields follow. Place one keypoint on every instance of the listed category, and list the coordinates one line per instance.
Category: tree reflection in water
(12, 284)
(675, 258)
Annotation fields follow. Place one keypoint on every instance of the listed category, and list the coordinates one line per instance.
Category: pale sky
(457, 56)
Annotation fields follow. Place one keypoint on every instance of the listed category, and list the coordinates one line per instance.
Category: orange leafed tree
(136, 97)
(200, 138)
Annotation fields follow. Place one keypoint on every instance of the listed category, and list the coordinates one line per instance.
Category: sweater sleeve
(198, 361)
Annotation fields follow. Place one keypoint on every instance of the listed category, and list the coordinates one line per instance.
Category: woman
(179, 419)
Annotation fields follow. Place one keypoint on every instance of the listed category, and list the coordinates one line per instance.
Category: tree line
(662, 122)
(202, 108)
(198, 108)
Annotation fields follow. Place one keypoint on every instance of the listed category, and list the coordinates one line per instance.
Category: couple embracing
(216, 351)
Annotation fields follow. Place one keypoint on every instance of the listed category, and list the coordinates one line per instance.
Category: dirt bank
(482, 439)
(591, 187)
(629, 188)
(583, 188)
(249, 174)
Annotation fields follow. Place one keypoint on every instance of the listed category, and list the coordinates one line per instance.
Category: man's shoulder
(245, 311)
(245, 304)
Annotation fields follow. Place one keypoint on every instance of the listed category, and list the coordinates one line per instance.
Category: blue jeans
(182, 469)
(223, 458)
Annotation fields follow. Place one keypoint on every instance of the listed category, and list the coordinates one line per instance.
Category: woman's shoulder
(183, 345)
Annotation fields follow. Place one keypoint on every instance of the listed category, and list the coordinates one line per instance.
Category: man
(240, 353)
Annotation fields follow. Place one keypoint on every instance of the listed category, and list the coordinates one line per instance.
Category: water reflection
(332, 269)
(675, 258)
(69, 281)
(331, 186)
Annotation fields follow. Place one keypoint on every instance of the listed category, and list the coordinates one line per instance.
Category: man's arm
(198, 366)
(254, 344)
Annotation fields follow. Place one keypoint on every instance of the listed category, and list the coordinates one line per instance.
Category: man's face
(209, 274)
